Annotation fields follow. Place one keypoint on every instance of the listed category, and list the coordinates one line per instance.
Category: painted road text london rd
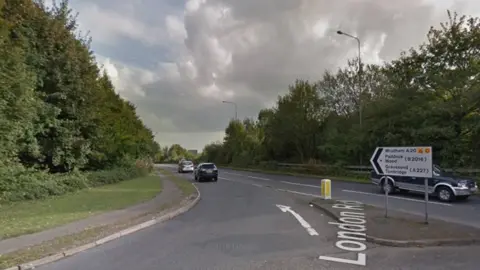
(352, 234)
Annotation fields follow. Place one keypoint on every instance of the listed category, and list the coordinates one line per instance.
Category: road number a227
(419, 170)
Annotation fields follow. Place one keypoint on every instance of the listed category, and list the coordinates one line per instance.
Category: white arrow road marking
(302, 221)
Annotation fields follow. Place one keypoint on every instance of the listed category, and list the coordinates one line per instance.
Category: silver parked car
(185, 166)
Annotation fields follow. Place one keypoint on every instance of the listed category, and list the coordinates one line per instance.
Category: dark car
(206, 171)
(185, 166)
(446, 186)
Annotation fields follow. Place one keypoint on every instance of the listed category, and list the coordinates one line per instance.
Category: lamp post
(359, 75)
(235, 104)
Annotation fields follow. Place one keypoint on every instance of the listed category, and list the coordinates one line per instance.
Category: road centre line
(298, 184)
(266, 179)
(277, 189)
(249, 176)
(232, 173)
(300, 193)
(259, 178)
(393, 197)
(236, 181)
(231, 180)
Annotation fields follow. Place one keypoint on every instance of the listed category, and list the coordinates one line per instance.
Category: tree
(430, 95)
(58, 110)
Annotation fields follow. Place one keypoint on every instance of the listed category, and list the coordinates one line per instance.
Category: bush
(142, 167)
(113, 176)
(18, 183)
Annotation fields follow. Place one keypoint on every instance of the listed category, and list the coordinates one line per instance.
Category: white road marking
(259, 178)
(249, 176)
(352, 229)
(302, 221)
(300, 193)
(226, 179)
(277, 189)
(393, 197)
(361, 259)
(236, 181)
(232, 173)
(298, 184)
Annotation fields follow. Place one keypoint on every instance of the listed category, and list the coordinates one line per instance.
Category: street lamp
(235, 104)
(359, 74)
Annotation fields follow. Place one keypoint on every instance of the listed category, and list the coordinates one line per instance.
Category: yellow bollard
(326, 189)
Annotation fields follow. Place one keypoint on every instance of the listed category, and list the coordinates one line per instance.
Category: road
(464, 212)
(238, 225)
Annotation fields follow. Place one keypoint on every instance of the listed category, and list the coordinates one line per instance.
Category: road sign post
(426, 200)
(386, 200)
(411, 161)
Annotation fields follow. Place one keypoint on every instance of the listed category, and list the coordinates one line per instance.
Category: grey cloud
(270, 45)
(189, 111)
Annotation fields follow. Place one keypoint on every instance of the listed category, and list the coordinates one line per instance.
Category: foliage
(20, 183)
(428, 96)
(60, 115)
(174, 154)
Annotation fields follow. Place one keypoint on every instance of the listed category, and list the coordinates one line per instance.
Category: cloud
(177, 60)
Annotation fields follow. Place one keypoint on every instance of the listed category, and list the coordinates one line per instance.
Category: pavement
(383, 228)
(169, 193)
(241, 224)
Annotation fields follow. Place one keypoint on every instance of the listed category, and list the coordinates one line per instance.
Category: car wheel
(195, 177)
(215, 179)
(387, 187)
(445, 194)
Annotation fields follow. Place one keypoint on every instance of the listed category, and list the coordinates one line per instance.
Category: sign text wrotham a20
(414, 161)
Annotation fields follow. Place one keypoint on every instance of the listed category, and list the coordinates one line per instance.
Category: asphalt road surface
(239, 224)
(463, 212)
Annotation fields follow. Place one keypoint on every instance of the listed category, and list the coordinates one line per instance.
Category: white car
(185, 166)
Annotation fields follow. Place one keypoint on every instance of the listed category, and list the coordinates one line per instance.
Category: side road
(176, 193)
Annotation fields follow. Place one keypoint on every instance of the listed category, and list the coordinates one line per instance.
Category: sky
(177, 60)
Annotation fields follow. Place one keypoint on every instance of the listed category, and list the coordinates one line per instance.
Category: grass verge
(60, 244)
(63, 243)
(364, 180)
(184, 185)
(33, 216)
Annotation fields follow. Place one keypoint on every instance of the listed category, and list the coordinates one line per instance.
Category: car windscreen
(187, 163)
(208, 166)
